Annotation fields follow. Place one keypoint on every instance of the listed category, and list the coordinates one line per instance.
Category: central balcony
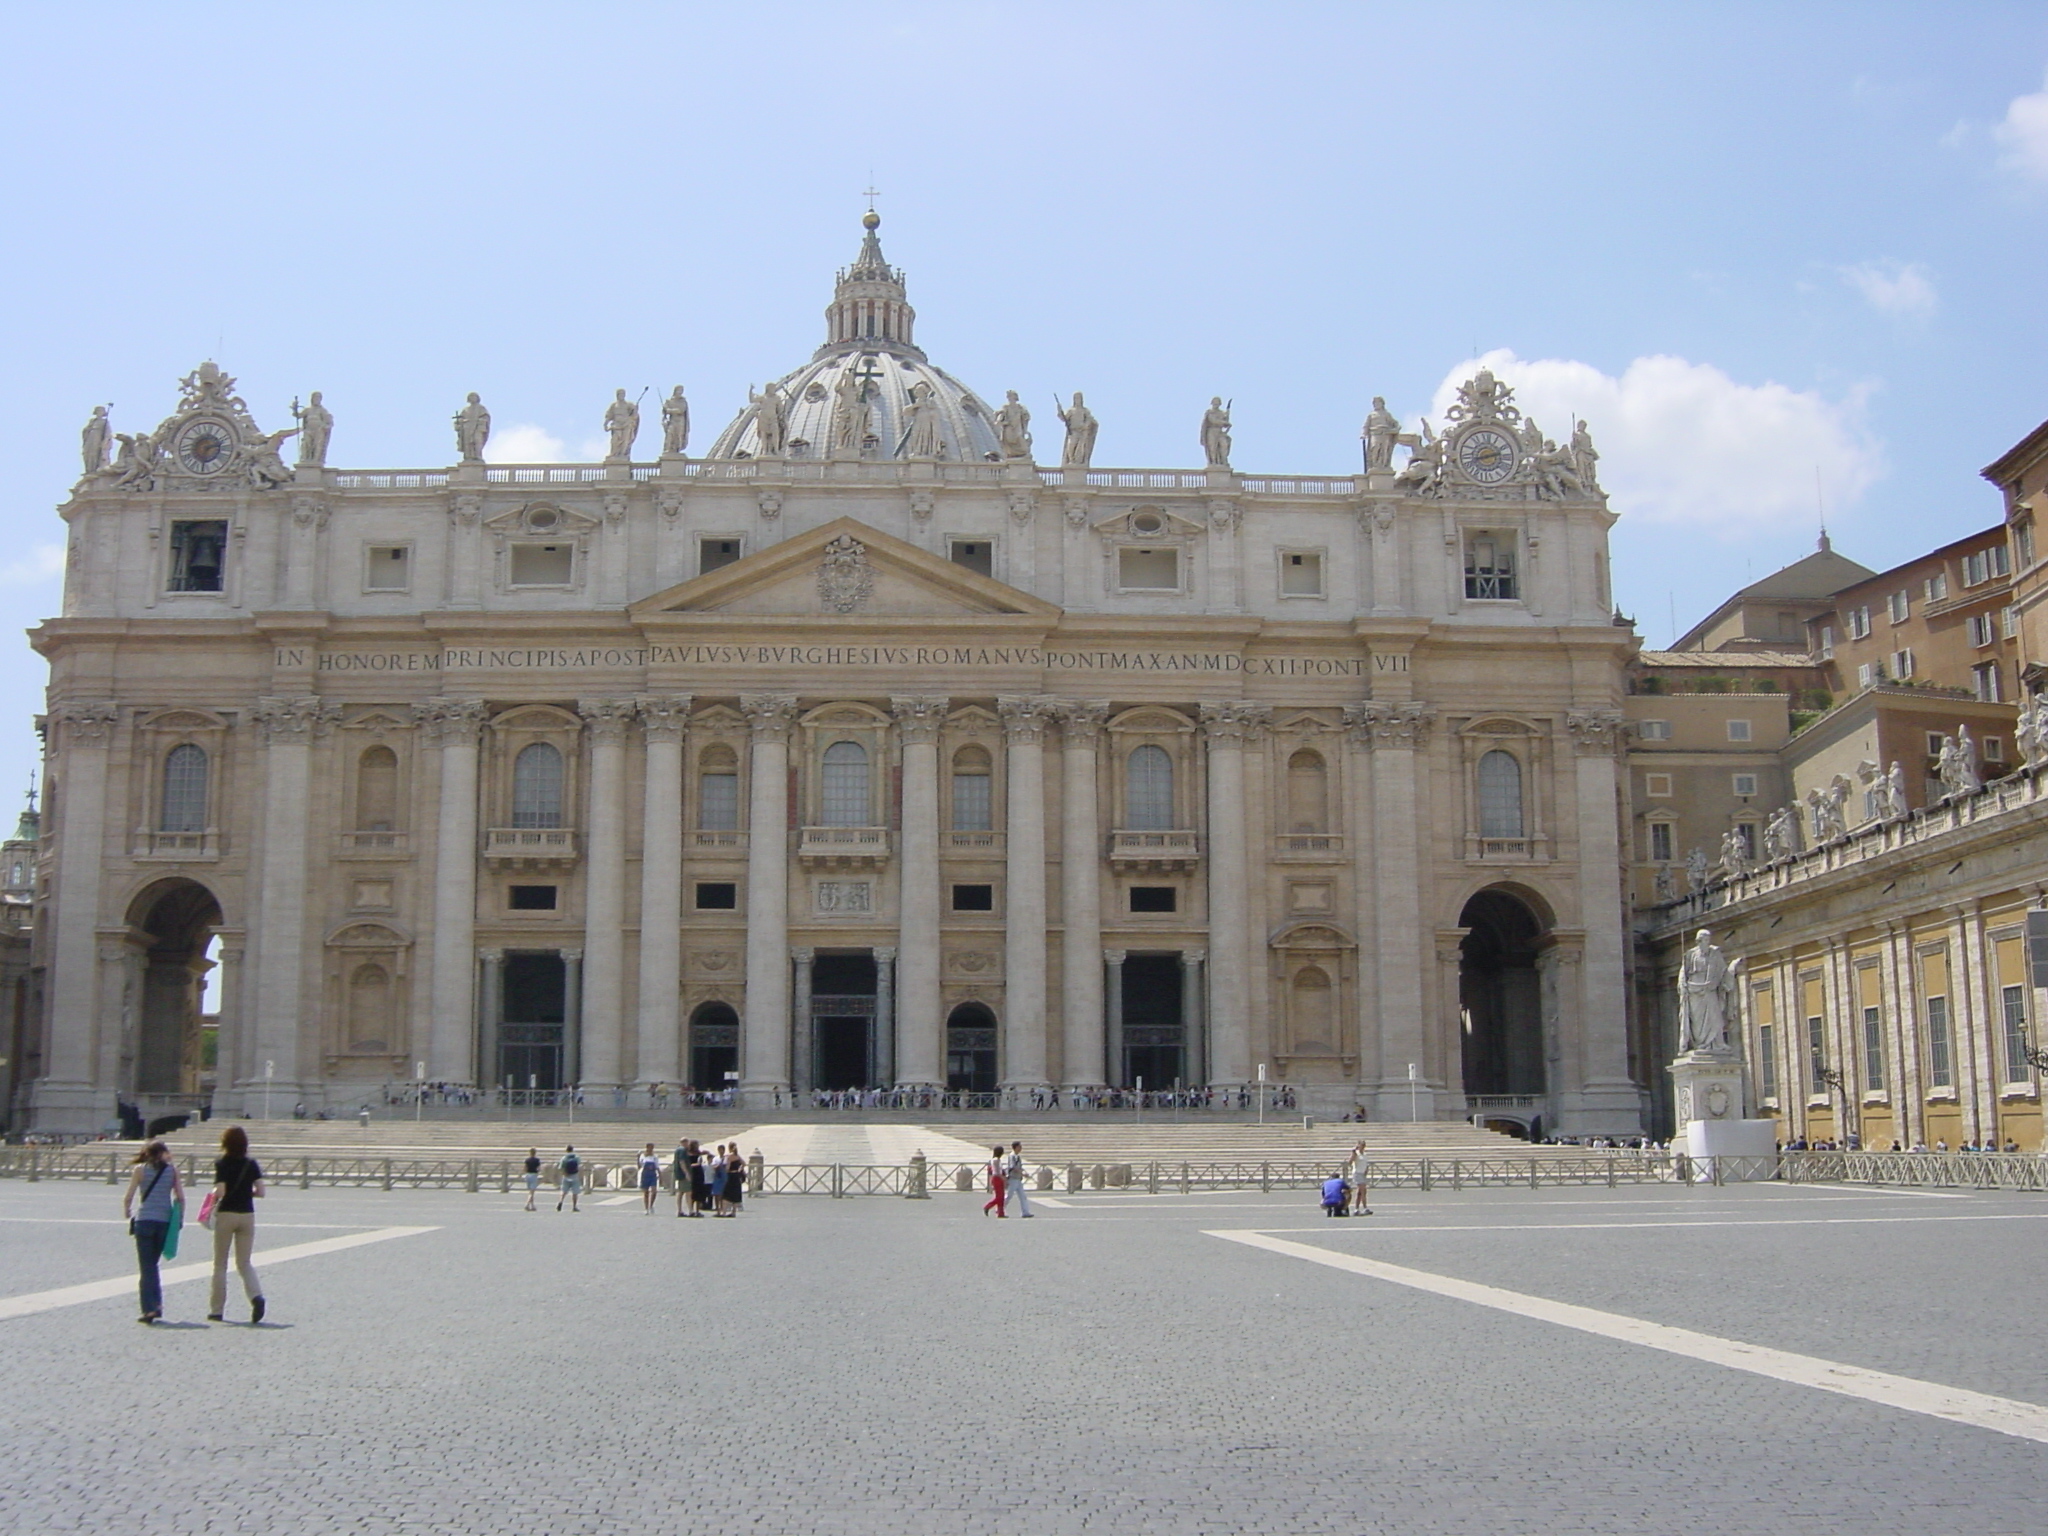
(843, 847)
(1155, 850)
(530, 847)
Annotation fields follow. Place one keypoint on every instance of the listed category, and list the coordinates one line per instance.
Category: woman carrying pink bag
(230, 1210)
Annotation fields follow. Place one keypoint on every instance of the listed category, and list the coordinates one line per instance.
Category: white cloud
(45, 562)
(1901, 288)
(1681, 443)
(2024, 135)
(525, 444)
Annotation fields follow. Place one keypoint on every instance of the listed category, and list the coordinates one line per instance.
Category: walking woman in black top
(238, 1181)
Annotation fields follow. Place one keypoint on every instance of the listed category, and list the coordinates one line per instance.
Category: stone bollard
(113, 1167)
(920, 1186)
(471, 1183)
(35, 1164)
(1073, 1178)
(505, 1177)
(364, 1118)
(1097, 1176)
(963, 1180)
(757, 1167)
(1044, 1176)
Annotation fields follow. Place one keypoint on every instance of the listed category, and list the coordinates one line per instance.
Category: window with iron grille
(537, 786)
(1940, 1073)
(184, 808)
(1490, 566)
(2013, 1014)
(1500, 795)
(1148, 790)
(1873, 1048)
(845, 785)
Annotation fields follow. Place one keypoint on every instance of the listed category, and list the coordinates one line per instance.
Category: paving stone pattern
(883, 1366)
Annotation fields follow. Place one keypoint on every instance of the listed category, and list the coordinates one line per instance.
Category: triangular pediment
(843, 570)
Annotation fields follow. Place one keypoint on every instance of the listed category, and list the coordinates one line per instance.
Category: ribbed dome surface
(965, 432)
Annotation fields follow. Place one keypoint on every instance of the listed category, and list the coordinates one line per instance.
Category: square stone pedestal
(1708, 1094)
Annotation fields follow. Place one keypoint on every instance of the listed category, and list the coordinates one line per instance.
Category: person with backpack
(571, 1169)
(231, 1212)
(532, 1175)
(154, 1200)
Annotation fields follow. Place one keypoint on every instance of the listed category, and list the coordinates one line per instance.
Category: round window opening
(1147, 522)
(541, 520)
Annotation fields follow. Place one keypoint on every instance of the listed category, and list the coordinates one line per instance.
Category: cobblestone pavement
(888, 1366)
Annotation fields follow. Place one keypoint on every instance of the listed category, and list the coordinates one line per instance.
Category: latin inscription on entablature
(911, 660)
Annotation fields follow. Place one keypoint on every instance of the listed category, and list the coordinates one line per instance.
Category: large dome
(869, 357)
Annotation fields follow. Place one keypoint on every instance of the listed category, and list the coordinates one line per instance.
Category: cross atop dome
(869, 310)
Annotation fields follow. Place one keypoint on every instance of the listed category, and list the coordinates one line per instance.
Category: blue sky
(1777, 254)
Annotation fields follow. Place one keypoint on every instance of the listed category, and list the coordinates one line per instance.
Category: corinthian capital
(1025, 719)
(87, 722)
(1081, 720)
(295, 721)
(1595, 732)
(663, 717)
(769, 715)
(450, 722)
(1234, 723)
(1403, 726)
(919, 717)
(607, 718)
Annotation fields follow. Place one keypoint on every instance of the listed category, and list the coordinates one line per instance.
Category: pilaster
(921, 1038)
(1025, 722)
(664, 723)
(451, 726)
(1084, 1055)
(1227, 728)
(764, 1028)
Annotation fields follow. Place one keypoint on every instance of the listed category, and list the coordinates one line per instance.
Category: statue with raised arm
(1781, 834)
(921, 439)
(1707, 983)
(1080, 423)
(1381, 430)
(1216, 433)
(1555, 476)
(675, 425)
(771, 427)
(1013, 427)
(472, 430)
(1425, 464)
(135, 462)
(316, 426)
(93, 440)
(622, 425)
(266, 469)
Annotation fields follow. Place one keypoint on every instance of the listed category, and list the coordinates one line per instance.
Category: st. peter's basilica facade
(865, 750)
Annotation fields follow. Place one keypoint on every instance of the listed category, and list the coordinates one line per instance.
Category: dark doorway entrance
(1154, 1031)
(531, 1043)
(179, 916)
(971, 1050)
(714, 1046)
(843, 1021)
(1501, 996)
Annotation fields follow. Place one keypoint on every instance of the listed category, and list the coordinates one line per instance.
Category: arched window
(537, 786)
(1308, 794)
(377, 790)
(973, 796)
(369, 1010)
(718, 790)
(1500, 795)
(185, 790)
(1148, 791)
(846, 785)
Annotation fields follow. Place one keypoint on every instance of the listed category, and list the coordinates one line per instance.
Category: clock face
(205, 447)
(1487, 456)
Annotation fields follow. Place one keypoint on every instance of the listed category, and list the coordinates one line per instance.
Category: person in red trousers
(996, 1187)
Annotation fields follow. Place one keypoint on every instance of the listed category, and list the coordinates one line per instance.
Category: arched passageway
(714, 1046)
(1500, 995)
(169, 1048)
(971, 1049)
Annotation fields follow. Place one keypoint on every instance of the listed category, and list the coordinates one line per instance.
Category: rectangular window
(1985, 565)
(532, 898)
(1657, 785)
(1490, 567)
(1934, 743)
(713, 554)
(1873, 1048)
(1738, 730)
(1902, 665)
(1858, 620)
(974, 898)
(717, 896)
(1746, 832)
(1767, 1061)
(1984, 680)
(543, 565)
(1973, 570)
(2009, 622)
(1660, 841)
(199, 555)
(1983, 629)
(1654, 730)
(1744, 785)
(1937, 587)
(1148, 570)
(387, 568)
(1816, 1054)
(2013, 1014)
(1994, 749)
(1301, 573)
(978, 555)
(1154, 898)
(1867, 674)
(2023, 541)
(718, 802)
(1827, 641)
(1900, 606)
(973, 802)
(1939, 1072)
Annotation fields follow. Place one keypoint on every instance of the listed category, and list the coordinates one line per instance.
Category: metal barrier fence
(919, 1179)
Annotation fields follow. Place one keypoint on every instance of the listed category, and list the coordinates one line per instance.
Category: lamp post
(419, 1089)
(1414, 1085)
(1262, 1093)
(269, 1071)
(1831, 1079)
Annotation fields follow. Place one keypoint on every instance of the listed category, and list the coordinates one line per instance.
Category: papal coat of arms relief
(845, 578)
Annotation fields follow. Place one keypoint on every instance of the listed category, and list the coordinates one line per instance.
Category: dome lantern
(869, 309)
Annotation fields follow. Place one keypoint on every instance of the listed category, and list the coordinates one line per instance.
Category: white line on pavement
(1630, 1226)
(100, 1290)
(1958, 1405)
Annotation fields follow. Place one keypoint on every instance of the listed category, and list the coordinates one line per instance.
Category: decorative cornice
(1025, 720)
(607, 718)
(664, 717)
(1403, 726)
(1082, 720)
(769, 715)
(450, 722)
(295, 721)
(1234, 723)
(87, 722)
(919, 717)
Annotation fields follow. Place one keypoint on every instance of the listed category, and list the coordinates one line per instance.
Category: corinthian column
(764, 1032)
(663, 722)
(1024, 1056)
(72, 1095)
(1393, 732)
(604, 905)
(451, 724)
(920, 1037)
(1227, 728)
(1084, 1053)
(289, 726)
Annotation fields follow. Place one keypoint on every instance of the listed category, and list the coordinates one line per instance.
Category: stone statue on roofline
(621, 425)
(1381, 431)
(771, 427)
(93, 440)
(675, 425)
(472, 430)
(1425, 466)
(1696, 870)
(1013, 427)
(316, 426)
(1216, 434)
(1079, 448)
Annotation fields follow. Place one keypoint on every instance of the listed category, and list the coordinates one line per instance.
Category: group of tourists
(706, 1182)
(154, 1208)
